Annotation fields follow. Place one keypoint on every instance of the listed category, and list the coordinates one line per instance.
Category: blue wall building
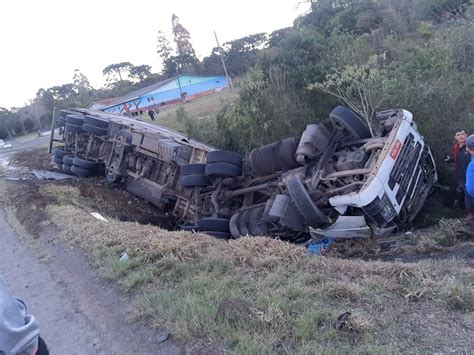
(166, 92)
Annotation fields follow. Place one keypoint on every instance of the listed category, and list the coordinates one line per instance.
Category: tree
(5, 117)
(163, 47)
(358, 87)
(83, 88)
(80, 80)
(36, 111)
(185, 55)
(113, 72)
(139, 73)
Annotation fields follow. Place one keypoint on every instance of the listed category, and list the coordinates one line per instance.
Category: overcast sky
(43, 41)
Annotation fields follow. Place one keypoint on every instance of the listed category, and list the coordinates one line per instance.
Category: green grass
(264, 296)
(202, 108)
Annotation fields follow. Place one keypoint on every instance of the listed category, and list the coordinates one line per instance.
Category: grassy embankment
(259, 295)
(202, 108)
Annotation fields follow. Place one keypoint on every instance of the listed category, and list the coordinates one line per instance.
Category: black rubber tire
(94, 130)
(67, 168)
(67, 159)
(74, 128)
(60, 152)
(223, 169)
(82, 172)
(304, 204)
(224, 156)
(94, 121)
(195, 180)
(195, 168)
(342, 118)
(85, 164)
(58, 161)
(64, 113)
(75, 119)
(60, 122)
(214, 224)
(219, 235)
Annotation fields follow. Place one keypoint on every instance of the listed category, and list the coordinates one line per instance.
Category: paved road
(79, 312)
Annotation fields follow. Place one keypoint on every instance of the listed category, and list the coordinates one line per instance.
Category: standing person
(461, 159)
(470, 172)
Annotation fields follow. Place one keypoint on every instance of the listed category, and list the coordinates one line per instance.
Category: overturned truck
(337, 179)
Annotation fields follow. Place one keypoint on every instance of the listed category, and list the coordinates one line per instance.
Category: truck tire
(82, 172)
(64, 113)
(195, 180)
(66, 168)
(72, 128)
(85, 164)
(60, 122)
(194, 168)
(75, 119)
(214, 224)
(58, 161)
(342, 118)
(223, 169)
(97, 122)
(59, 152)
(304, 204)
(224, 156)
(67, 159)
(94, 129)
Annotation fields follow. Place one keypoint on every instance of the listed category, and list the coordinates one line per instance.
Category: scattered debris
(341, 321)
(162, 336)
(321, 246)
(124, 257)
(99, 217)
(49, 175)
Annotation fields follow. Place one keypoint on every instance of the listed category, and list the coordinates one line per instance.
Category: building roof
(103, 102)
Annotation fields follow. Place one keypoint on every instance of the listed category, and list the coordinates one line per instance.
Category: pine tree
(163, 47)
(185, 58)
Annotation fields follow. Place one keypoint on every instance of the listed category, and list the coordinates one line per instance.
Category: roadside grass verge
(260, 295)
(264, 296)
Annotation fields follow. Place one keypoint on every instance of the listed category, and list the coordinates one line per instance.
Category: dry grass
(189, 278)
(260, 295)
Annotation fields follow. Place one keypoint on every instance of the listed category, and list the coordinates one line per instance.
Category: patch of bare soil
(93, 192)
(37, 158)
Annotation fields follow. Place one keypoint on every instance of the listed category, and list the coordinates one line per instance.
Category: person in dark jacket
(461, 159)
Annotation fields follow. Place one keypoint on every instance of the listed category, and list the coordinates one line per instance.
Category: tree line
(369, 55)
(178, 56)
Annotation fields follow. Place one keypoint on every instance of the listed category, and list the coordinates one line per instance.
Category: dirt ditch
(441, 241)
(26, 193)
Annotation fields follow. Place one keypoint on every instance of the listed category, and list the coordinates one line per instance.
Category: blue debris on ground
(320, 246)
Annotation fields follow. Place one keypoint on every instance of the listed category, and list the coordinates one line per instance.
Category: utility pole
(179, 85)
(229, 80)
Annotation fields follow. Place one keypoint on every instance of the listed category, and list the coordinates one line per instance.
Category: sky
(44, 41)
